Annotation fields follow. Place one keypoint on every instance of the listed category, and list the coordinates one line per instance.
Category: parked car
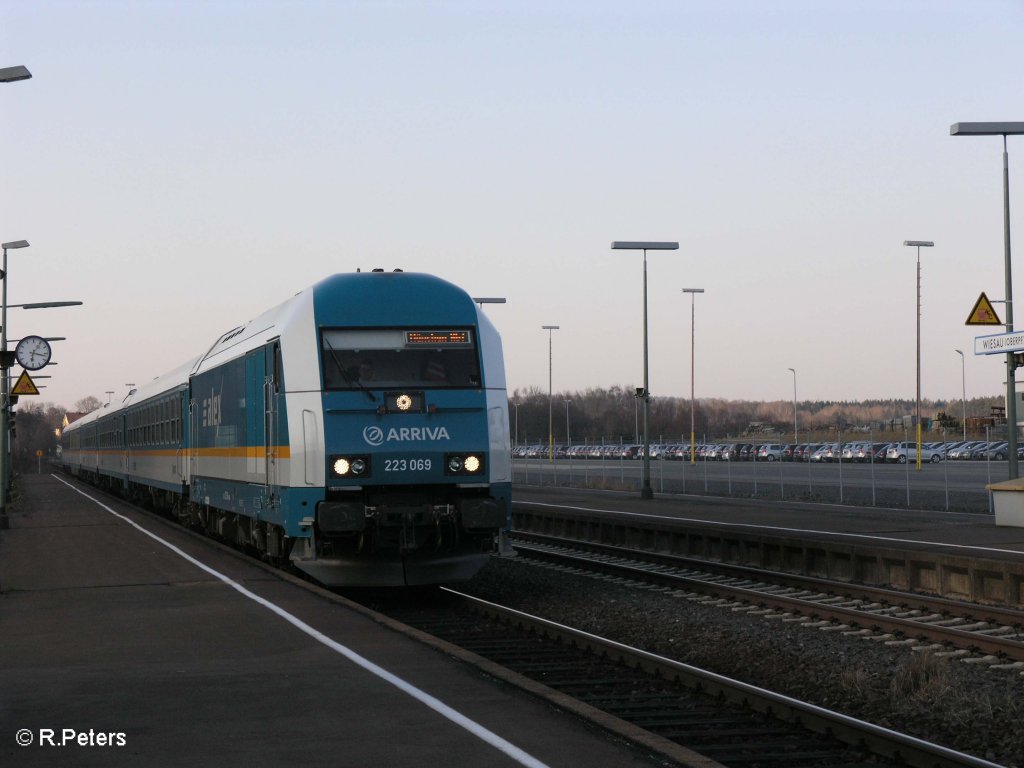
(998, 451)
(818, 454)
(833, 453)
(879, 452)
(850, 451)
(805, 450)
(901, 453)
(657, 451)
(769, 452)
(963, 451)
(979, 451)
(868, 452)
(675, 451)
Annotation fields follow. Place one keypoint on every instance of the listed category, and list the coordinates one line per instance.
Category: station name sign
(999, 344)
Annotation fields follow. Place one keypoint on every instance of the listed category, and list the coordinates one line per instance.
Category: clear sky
(182, 166)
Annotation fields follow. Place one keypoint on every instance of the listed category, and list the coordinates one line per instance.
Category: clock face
(32, 352)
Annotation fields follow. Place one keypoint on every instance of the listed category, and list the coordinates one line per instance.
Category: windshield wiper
(352, 382)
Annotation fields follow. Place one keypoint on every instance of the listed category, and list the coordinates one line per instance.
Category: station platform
(958, 555)
(914, 528)
(122, 647)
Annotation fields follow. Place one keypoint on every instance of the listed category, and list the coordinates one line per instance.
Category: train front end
(415, 428)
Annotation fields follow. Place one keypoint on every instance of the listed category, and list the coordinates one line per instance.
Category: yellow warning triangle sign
(983, 313)
(25, 385)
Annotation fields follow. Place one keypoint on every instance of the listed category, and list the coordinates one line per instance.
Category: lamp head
(14, 74)
(986, 129)
(634, 245)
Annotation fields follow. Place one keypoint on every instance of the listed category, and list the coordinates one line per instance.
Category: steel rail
(1011, 649)
(913, 751)
(976, 611)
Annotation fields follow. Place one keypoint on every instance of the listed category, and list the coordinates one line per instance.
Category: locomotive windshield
(400, 358)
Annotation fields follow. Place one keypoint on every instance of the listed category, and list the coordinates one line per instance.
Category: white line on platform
(438, 706)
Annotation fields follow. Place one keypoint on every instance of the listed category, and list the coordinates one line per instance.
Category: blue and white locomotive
(359, 430)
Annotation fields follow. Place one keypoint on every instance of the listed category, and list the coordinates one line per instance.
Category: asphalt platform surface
(117, 649)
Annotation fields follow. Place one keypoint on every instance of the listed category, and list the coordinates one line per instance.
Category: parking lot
(954, 475)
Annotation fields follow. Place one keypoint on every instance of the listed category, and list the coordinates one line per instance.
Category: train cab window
(385, 358)
(278, 367)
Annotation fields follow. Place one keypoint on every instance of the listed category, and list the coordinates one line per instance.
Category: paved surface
(128, 653)
(973, 535)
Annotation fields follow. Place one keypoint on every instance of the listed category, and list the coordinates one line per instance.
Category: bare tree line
(616, 415)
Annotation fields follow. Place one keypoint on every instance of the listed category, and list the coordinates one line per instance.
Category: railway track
(678, 706)
(668, 707)
(939, 625)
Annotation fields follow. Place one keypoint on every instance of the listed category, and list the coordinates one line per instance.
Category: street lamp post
(1004, 130)
(5, 404)
(795, 438)
(568, 437)
(5, 384)
(963, 385)
(636, 417)
(516, 406)
(551, 439)
(919, 244)
(7, 75)
(625, 245)
(693, 431)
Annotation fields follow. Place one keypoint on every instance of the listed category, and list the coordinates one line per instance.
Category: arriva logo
(376, 436)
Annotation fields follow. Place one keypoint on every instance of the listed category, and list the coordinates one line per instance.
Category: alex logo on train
(377, 436)
(211, 410)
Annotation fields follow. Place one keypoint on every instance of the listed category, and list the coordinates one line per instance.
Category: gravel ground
(967, 707)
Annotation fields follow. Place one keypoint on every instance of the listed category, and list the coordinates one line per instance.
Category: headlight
(464, 463)
(349, 466)
(403, 402)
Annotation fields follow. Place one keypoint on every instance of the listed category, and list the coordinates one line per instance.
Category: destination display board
(439, 338)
